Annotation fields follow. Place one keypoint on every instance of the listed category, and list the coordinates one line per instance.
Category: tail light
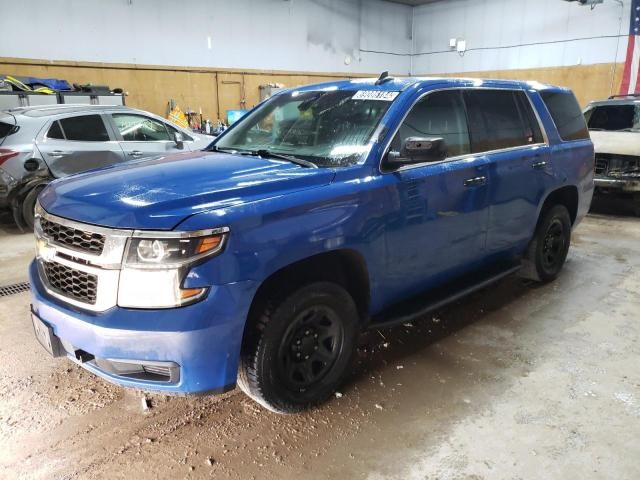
(6, 154)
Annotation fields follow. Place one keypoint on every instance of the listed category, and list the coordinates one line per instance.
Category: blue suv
(326, 210)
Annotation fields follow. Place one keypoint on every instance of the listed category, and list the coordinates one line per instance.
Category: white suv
(614, 125)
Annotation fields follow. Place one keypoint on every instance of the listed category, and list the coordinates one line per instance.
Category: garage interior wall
(214, 54)
(551, 41)
(209, 54)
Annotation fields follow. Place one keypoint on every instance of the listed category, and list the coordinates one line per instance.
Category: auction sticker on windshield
(385, 96)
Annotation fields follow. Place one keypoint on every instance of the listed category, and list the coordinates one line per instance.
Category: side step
(437, 298)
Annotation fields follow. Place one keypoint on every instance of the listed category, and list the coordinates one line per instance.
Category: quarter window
(55, 131)
(440, 114)
(138, 128)
(566, 114)
(84, 128)
(173, 131)
(499, 119)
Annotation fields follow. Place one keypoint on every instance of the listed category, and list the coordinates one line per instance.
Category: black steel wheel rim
(310, 347)
(553, 244)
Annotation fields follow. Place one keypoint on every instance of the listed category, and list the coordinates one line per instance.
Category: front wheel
(297, 351)
(29, 205)
(548, 249)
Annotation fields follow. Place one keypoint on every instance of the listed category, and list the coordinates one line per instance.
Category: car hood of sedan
(161, 192)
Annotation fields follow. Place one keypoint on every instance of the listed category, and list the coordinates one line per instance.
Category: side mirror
(179, 139)
(418, 150)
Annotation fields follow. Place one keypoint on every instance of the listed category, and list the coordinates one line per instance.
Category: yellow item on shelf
(177, 116)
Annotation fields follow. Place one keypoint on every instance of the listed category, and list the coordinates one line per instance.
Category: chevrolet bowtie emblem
(45, 251)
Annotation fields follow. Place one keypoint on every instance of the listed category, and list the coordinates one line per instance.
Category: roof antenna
(383, 78)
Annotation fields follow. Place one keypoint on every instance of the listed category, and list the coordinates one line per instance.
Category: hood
(617, 143)
(200, 140)
(159, 193)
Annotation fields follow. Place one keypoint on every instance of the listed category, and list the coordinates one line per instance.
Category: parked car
(39, 144)
(614, 125)
(324, 211)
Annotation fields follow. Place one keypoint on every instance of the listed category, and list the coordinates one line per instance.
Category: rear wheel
(548, 250)
(296, 353)
(636, 205)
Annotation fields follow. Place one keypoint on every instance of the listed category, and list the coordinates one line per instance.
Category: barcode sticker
(383, 95)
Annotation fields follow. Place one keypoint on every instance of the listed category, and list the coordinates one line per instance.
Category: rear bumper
(198, 345)
(618, 185)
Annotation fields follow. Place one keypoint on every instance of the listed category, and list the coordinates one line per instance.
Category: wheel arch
(567, 195)
(346, 267)
(19, 193)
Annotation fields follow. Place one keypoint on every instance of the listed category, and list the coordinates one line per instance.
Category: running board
(413, 309)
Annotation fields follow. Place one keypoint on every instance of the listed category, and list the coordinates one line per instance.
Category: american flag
(631, 79)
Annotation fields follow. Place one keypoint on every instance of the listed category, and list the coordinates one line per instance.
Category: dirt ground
(515, 382)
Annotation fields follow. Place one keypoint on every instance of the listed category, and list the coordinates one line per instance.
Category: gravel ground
(515, 382)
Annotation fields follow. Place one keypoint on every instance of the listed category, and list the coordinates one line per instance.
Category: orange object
(190, 292)
(178, 117)
(208, 243)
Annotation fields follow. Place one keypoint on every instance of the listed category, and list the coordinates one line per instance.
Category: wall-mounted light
(461, 47)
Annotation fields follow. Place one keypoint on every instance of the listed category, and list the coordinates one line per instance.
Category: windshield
(613, 118)
(327, 128)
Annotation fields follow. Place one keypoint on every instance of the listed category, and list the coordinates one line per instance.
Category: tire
(296, 351)
(636, 205)
(548, 250)
(29, 205)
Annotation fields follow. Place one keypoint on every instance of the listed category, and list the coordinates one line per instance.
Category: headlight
(156, 263)
(171, 252)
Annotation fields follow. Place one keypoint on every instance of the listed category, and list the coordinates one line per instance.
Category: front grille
(166, 372)
(158, 370)
(72, 283)
(73, 237)
(601, 166)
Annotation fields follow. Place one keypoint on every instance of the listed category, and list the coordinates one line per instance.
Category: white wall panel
(301, 35)
(509, 34)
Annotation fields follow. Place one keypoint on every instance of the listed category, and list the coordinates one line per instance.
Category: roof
(48, 110)
(618, 100)
(402, 83)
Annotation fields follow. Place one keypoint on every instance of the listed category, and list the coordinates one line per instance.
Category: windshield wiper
(263, 152)
(216, 148)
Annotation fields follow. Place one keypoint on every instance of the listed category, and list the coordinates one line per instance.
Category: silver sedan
(39, 144)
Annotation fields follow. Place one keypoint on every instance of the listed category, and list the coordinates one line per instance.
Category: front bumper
(202, 341)
(619, 185)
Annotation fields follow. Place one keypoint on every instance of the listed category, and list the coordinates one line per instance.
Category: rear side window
(7, 129)
(500, 119)
(439, 114)
(85, 128)
(55, 131)
(566, 114)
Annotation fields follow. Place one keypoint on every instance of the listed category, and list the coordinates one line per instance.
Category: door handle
(475, 181)
(539, 165)
(59, 153)
(135, 153)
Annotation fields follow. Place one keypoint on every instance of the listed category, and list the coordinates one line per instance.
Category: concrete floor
(516, 382)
